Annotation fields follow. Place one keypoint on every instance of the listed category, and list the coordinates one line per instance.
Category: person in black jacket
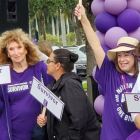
(79, 120)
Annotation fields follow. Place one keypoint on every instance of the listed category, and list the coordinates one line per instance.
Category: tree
(68, 6)
(90, 56)
(53, 27)
(41, 6)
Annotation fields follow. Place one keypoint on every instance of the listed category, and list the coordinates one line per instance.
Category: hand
(80, 11)
(41, 120)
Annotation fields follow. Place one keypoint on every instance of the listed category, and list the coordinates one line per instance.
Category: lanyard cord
(124, 82)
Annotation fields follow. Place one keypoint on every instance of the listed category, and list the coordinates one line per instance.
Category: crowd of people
(20, 111)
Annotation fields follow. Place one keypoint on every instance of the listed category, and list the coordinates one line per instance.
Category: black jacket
(79, 120)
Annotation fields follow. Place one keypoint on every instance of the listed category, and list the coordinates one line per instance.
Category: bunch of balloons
(115, 19)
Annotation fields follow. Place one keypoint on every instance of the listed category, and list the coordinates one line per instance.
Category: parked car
(81, 63)
(68, 46)
(55, 47)
(82, 48)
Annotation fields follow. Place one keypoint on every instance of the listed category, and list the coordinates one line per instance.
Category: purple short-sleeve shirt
(117, 123)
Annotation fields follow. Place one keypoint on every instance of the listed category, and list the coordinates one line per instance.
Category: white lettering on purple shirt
(17, 87)
(123, 88)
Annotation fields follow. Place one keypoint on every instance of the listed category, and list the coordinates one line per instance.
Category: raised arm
(91, 36)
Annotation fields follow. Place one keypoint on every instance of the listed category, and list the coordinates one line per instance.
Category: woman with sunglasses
(117, 73)
(78, 121)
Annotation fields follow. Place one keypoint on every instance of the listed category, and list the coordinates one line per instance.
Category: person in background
(18, 108)
(115, 73)
(45, 47)
(79, 120)
(43, 56)
(36, 35)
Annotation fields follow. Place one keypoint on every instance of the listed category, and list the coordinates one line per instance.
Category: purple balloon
(113, 35)
(135, 34)
(134, 4)
(101, 37)
(129, 20)
(94, 71)
(99, 104)
(101, 91)
(105, 48)
(97, 7)
(105, 21)
(115, 7)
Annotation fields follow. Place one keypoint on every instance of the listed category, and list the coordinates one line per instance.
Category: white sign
(47, 98)
(133, 102)
(5, 75)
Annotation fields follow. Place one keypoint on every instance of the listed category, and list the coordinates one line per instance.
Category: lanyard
(124, 82)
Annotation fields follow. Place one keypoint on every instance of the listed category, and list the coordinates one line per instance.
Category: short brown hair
(18, 36)
(45, 47)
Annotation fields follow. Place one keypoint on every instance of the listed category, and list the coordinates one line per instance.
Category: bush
(53, 39)
(71, 37)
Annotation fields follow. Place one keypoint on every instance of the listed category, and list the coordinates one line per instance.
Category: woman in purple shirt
(18, 108)
(116, 77)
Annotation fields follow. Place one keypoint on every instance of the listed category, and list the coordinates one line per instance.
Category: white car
(55, 48)
(82, 48)
(81, 63)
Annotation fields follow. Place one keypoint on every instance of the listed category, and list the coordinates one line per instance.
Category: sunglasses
(48, 61)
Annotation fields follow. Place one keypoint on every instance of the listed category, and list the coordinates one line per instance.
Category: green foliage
(66, 5)
(53, 39)
(71, 36)
(51, 6)
(42, 5)
(84, 85)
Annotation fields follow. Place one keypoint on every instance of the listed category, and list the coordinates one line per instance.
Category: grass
(84, 84)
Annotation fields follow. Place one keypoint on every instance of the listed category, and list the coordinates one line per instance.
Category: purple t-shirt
(24, 107)
(117, 125)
